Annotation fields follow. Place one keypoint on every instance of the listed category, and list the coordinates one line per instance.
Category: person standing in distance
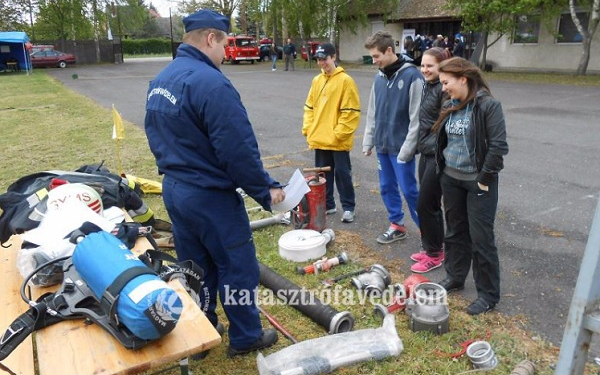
(273, 54)
(204, 145)
(392, 129)
(331, 117)
(290, 54)
(471, 144)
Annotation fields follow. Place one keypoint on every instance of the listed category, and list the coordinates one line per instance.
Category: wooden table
(13, 66)
(73, 348)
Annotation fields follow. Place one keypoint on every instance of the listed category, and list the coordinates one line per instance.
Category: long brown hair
(459, 67)
(438, 53)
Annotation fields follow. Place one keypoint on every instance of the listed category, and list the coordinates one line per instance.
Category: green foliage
(146, 46)
(13, 14)
(133, 20)
(225, 7)
(63, 20)
(488, 15)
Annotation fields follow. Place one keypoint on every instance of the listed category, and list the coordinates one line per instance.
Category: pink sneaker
(427, 264)
(417, 257)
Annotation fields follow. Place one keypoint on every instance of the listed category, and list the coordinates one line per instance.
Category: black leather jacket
(490, 138)
(431, 103)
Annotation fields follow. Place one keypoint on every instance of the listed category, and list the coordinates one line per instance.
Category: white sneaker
(331, 211)
(273, 69)
(348, 217)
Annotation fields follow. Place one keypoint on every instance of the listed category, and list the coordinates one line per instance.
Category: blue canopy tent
(13, 46)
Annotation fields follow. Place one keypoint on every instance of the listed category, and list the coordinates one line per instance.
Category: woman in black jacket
(429, 205)
(471, 145)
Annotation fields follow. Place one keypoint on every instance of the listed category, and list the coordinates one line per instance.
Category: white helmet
(86, 194)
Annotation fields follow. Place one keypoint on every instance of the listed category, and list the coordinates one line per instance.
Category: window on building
(567, 32)
(527, 29)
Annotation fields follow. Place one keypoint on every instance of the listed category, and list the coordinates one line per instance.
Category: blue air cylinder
(146, 306)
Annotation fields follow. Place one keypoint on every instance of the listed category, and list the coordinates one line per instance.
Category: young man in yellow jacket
(331, 116)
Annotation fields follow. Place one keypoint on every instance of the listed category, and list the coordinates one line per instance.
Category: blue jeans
(211, 227)
(470, 216)
(274, 59)
(393, 178)
(341, 171)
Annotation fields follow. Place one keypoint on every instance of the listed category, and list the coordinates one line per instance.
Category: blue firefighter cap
(206, 19)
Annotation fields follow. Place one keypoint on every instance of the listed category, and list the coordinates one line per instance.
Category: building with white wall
(531, 47)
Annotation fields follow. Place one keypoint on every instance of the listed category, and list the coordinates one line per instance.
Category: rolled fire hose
(306, 302)
(301, 245)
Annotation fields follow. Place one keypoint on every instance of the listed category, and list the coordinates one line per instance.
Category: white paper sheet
(294, 191)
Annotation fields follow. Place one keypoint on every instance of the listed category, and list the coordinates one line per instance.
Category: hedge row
(146, 46)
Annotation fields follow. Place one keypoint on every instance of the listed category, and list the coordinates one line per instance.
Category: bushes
(146, 46)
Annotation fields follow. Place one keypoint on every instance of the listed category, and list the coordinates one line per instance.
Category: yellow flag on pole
(118, 128)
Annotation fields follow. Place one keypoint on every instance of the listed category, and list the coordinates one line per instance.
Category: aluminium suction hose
(306, 302)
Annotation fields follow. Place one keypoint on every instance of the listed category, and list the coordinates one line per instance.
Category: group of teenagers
(201, 137)
(445, 113)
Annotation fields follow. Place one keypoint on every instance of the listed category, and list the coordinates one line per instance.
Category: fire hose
(306, 302)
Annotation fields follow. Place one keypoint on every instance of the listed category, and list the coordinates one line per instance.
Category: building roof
(411, 10)
(419, 9)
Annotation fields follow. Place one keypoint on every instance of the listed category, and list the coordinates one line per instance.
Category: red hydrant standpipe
(323, 265)
(311, 212)
(404, 291)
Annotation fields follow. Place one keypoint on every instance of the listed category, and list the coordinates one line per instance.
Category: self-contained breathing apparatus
(103, 282)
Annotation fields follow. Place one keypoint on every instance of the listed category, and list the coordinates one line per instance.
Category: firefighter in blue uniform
(204, 144)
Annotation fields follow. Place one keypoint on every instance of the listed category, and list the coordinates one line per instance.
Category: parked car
(313, 49)
(41, 47)
(52, 58)
(265, 52)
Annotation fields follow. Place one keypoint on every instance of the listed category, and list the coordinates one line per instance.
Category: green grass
(47, 126)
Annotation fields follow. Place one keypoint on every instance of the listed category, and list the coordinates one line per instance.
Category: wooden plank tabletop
(20, 361)
(74, 348)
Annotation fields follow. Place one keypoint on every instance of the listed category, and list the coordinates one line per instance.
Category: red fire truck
(241, 48)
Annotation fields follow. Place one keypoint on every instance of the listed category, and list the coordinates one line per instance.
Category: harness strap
(37, 317)
(189, 273)
(110, 296)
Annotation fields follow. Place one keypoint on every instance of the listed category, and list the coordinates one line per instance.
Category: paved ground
(548, 191)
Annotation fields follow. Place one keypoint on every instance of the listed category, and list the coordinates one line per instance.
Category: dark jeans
(211, 227)
(470, 215)
(429, 207)
(341, 171)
